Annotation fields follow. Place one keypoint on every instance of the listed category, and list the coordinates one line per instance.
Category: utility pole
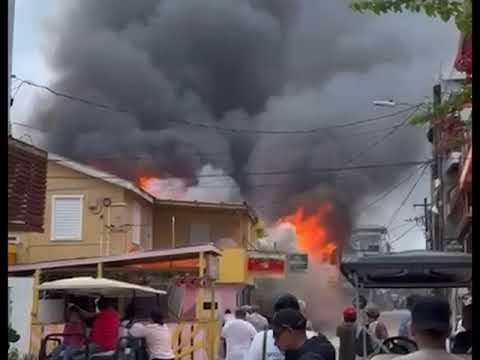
(425, 206)
(11, 13)
(437, 240)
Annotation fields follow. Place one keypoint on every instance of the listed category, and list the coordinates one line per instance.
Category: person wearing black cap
(263, 345)
(430, 328)
(289, 331)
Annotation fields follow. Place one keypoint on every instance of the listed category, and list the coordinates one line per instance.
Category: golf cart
(92, 288)
(408, 270)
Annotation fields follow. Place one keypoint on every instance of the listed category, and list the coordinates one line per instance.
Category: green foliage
(459, 10)
(454, 102)
(443, 9)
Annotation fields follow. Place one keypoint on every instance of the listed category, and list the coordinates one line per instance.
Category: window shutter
(67, 218)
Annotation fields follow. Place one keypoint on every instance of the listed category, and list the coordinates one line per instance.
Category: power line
(389, 191)
(398, 227)
(365, 132)
(404, 201)
(384, 137)
(290, 171)
(215, 127)
(403, 234)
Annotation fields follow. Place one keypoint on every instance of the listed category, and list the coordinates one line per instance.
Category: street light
(384, 103)
(393, 103)
(389, 103)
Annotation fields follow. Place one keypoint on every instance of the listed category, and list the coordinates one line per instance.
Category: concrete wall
(35, 247)
(232, 266)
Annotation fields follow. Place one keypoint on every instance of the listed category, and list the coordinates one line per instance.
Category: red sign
(265, 265)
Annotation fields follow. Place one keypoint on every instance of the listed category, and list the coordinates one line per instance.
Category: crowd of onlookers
(247, 335)
(422, 334)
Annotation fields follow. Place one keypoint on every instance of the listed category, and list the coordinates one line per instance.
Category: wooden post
(199, 297)
(99, 270)
(173, 233)
(212, 328)
(34, 314)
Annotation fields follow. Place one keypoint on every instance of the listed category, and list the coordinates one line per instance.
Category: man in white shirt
(238, 334)
(259, 322)
(263, 346)
(228, 316)
(430, 328)
(157, 337)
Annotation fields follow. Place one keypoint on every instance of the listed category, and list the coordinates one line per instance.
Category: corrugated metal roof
(90, 171)
(213, 205)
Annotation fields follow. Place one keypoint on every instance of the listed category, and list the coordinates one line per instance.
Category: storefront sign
(266, 265)
(454, 246)
(297, 263)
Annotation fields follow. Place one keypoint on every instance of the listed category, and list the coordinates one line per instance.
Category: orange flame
(144, 181)
(311, 232)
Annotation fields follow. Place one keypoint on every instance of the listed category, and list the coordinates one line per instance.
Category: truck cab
(367, 240)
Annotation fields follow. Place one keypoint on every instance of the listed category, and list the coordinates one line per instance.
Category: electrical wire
(384, 137)
(215, 127)
(395, 228)
(389, 191)
(357, 133)
(403, 234)
(404, 201)
(293, 171)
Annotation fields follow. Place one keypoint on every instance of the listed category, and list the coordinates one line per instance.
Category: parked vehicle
(92, 288)
(407, 270)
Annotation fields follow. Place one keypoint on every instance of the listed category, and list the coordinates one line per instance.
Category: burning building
(254, 100)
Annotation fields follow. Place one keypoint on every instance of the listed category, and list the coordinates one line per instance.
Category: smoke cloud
(207, 189)
(256, 65)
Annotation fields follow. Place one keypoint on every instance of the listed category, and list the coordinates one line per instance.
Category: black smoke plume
(258, 65)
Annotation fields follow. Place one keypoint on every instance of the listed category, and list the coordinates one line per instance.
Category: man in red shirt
(104, 335)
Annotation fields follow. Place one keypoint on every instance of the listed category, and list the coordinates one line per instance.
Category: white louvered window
(137, 223)
(67, 217)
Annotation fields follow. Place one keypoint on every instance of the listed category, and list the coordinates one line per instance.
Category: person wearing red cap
(346, 333)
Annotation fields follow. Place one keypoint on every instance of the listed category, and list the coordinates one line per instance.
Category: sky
(31, 43)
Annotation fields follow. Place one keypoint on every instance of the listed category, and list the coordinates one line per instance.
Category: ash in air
(258, 64)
